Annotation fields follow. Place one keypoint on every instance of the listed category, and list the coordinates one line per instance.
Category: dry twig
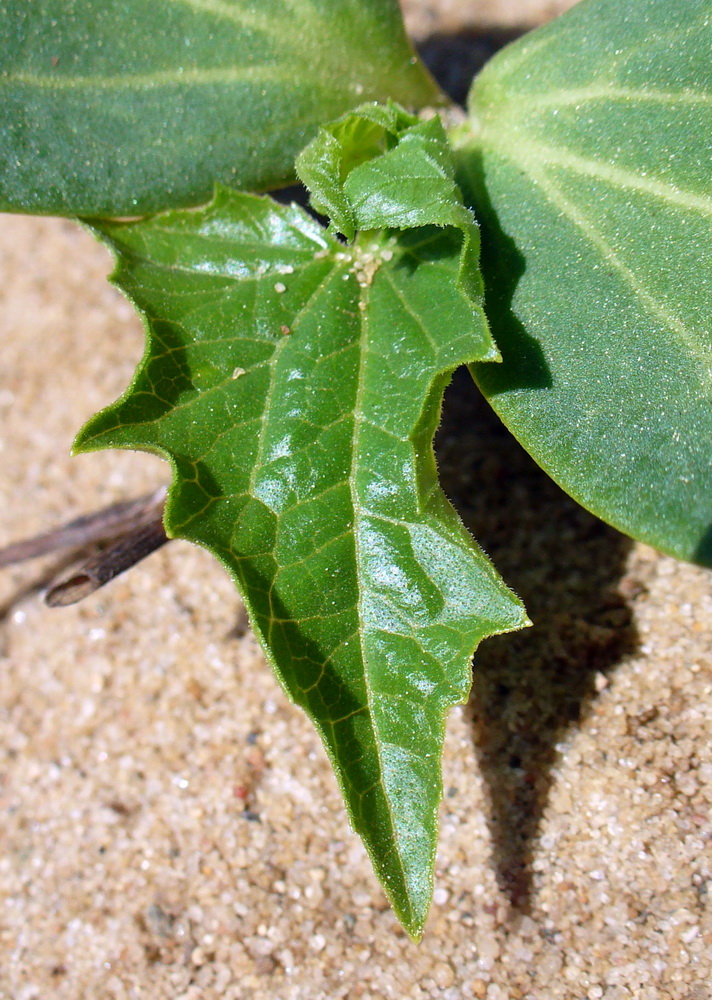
(112, 540)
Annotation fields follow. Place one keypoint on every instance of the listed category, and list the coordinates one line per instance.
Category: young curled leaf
(379, 167)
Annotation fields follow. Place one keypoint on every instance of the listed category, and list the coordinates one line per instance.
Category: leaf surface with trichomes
(123, 107)
(589, 165)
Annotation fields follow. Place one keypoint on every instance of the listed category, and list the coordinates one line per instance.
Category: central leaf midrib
(357, 508)
(280, 346)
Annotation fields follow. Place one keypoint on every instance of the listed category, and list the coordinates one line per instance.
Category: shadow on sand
(566, 565)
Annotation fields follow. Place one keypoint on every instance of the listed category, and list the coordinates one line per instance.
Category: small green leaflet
(589, 163)
(123, 107)
(295, 384)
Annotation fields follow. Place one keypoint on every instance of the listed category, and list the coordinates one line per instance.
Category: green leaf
(588, 161)
(295, 385)
(130, 106)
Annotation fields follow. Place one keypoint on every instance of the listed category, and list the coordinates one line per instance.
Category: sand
(170, 825)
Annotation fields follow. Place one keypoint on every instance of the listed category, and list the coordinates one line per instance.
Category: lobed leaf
(124, 107)
(588, 161)
(295, 385)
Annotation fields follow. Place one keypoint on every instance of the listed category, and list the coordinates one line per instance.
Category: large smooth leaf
(295, 384)
(123, 107)
(588, 161)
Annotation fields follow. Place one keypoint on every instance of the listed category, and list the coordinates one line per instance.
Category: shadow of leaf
(566, 565)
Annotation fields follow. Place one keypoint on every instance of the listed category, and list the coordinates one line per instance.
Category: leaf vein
(696, 349)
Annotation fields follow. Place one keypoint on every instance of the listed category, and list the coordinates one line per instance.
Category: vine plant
(294, 372)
